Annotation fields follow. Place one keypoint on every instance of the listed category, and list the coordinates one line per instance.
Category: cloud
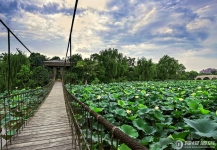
(182, 29)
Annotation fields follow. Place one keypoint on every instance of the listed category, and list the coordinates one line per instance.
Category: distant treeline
(107, 66)
(111, 66)
(26, 72)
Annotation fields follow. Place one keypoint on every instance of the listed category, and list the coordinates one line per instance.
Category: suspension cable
(73, 19)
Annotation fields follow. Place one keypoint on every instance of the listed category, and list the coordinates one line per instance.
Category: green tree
(169, 68)
(145, 69)
(113, 64)
(40, 76)
(16, 61)
(73, 73)
(214, 72)
(191, 75)
(55, 58)
(88, 69)
(24, 75)
(36, 59)
(180, 74)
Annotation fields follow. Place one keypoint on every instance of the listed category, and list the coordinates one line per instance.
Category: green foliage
(123, 147)
(24, 75)
(169, 68)
(145, 69)
(55, 58)
(156, 110)
(16, 109)
(36, 59)
(191, 75)
(17, 61)
(203, 127)
(41, 76)
(26, 72)
(129, 130)
(111, 66)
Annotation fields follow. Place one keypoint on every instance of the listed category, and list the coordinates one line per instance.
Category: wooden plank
(48, 128)
(42, 137)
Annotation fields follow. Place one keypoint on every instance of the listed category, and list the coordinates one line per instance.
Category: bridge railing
(16, 110)
(92, 130)
(7, 73)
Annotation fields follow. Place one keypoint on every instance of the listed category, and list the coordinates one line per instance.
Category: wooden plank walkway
(49, 128)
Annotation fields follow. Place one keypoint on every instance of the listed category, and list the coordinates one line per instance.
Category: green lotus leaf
(142, 125)
(123, 147)
(193, 105)
(141, 106)
(177, 113)
(147, 140)
(120, 112)
(159, 115)
(204, 111)
(203, 127)
(143, 92)
(139, 124)
(132, 117)
(179, 135)
(162, 144)
(129, 130)
(121, 103)
(96, 109)
(8, 118)
(143, 111)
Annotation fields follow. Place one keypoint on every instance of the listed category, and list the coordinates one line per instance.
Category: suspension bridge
(50, 117)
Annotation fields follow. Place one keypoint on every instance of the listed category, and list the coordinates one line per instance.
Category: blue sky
(183, 29)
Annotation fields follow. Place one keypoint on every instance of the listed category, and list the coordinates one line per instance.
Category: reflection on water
(2, 140)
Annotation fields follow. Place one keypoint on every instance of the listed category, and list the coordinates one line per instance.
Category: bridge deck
(49, 129)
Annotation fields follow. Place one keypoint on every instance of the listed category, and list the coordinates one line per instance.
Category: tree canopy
(108, 65)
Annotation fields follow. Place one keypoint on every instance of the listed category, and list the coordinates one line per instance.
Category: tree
(37, 59)
(169, 68)
(180, 74)
(145, 69)
(88, 69)
(114, 63)
(17, 60)
(191, 75)
(40, 76)
(76, 74)
(214, 72)
(24, 75)
(55, 58)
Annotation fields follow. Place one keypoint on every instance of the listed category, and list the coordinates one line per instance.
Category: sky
(183, 29)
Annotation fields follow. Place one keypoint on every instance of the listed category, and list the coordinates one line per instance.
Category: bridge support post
(55, 72)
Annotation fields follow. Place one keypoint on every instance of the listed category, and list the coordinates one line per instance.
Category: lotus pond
(157, 114)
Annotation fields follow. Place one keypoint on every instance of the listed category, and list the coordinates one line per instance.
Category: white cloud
(163, 30)
(145, 16)
(199, 23)
(96, 4)
(96, 27)
(207, 10)
(3, 34)
(44, 27)
(91, 20)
